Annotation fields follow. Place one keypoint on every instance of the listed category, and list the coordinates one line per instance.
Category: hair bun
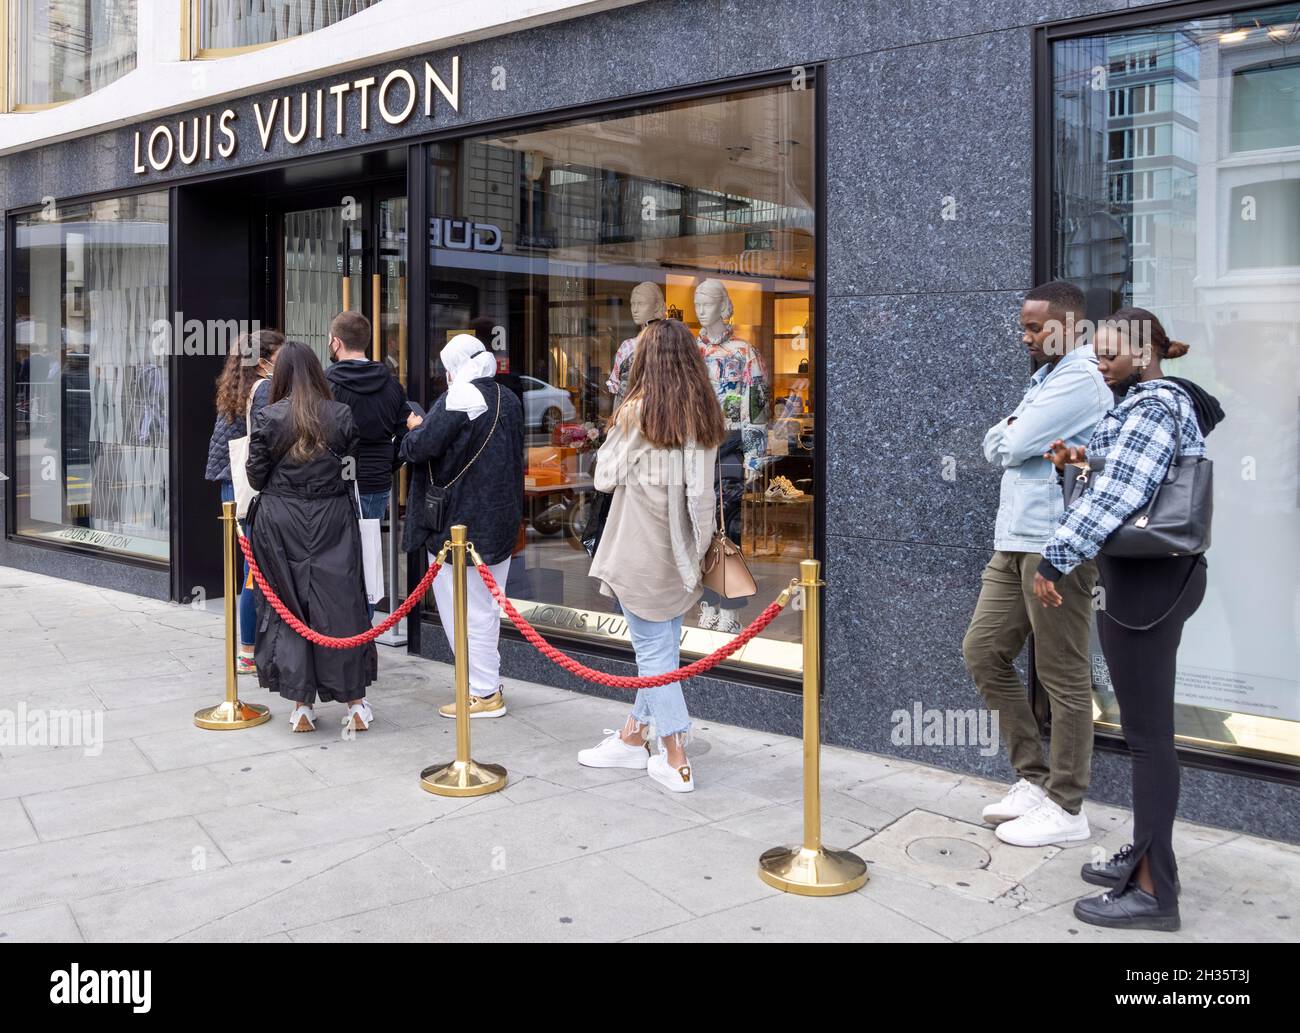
(1176, 349)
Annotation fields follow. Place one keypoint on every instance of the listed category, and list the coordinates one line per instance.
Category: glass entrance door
(348, 254)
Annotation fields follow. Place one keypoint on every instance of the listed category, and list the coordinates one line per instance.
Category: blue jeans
(247, 603)
(658, 651)
(373, 506)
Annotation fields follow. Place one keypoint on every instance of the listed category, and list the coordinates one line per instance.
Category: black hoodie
(378, 403)
(1209, 413)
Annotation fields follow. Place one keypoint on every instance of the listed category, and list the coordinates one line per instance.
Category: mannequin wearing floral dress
(741, 384)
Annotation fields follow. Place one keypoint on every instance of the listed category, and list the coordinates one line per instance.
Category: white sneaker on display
(613, 752)
(1046, 824)
(727, 623)
(1023, 798)
(675, 780)
(708, 617)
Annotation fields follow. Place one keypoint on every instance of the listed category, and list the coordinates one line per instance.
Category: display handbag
(1176, 520)
(436, 497)
(244, 492)
(594, 526)
(723, 569)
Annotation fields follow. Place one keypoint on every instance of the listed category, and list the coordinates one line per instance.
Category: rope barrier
(615, 681)
(530, 634)
(328, 641)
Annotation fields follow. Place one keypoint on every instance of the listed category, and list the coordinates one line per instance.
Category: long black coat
(489, 499)
(308, 545)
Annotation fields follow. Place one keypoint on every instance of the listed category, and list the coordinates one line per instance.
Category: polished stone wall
(927, 104)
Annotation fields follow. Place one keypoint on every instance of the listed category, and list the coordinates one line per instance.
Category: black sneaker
(1109, 873)
(1135, 908)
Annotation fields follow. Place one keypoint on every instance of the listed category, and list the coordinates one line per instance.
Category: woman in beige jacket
(657, 461)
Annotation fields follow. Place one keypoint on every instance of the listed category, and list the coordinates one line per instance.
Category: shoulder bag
(1176, 520)
(723, 569)
(244, 492)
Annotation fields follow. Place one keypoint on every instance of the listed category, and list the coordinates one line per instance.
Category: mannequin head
(647, 303)
(712, 303)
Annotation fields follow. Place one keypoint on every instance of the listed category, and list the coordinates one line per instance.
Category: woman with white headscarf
(467, 456)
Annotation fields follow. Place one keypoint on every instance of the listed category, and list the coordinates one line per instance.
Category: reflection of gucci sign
(463, 235)
(747, 263)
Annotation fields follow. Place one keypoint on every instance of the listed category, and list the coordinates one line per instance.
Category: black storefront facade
(871, 190)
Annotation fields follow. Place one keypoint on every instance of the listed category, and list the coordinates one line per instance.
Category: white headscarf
(466, 360)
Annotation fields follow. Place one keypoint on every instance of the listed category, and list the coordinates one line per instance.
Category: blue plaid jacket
(1133, 445)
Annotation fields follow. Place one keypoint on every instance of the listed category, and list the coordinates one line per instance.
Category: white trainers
(1046, 824)
(613, 752)
(1023, 798)
(727, 623)
(708, 617)
(675, 780)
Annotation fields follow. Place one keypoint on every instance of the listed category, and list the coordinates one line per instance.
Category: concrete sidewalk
(174, 833)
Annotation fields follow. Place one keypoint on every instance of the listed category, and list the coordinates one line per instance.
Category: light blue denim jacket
(1064, 401)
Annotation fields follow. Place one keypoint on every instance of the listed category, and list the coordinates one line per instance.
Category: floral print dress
(743, 392)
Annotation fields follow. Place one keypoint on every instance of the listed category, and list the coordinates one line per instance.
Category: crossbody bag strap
(464, 470)
(248, 409)
(1176, 411)
(1172, 606)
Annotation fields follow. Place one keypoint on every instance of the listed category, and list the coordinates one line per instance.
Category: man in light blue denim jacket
(1065, 399)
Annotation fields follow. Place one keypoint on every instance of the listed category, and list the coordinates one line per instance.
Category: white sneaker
(613, 752)
(675, 780)
(727, 623)
(708, 617)
(1046, 824)
(1023, 798)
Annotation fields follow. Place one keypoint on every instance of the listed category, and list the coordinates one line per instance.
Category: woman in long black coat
(307, 542)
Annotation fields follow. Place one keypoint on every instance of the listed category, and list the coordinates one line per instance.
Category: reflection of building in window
(1176, 186)
(71, 48)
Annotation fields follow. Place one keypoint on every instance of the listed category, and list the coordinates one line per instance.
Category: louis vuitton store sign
(331, 111)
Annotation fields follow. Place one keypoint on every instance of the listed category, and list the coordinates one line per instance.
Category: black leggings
(1142, 668)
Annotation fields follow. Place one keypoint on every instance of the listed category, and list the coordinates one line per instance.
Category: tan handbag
(723, 569)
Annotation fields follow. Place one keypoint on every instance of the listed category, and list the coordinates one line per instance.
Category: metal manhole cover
(946, 852)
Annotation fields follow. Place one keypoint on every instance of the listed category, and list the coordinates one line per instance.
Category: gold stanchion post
(811, 870)
(463, 776)
(232, 713)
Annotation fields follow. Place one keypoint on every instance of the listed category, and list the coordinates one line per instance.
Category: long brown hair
(299, 377)
(668, 378)
(238, 374)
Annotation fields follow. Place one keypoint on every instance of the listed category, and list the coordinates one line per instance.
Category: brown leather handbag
(723, 569)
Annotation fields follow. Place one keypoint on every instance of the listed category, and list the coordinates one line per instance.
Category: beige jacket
(660, 523)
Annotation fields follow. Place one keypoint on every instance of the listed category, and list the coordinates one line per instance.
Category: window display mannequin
(738, 378)
(647, 305)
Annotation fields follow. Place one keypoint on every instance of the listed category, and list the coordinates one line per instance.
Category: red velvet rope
(530, 633)
(615, 681)
(329, 642)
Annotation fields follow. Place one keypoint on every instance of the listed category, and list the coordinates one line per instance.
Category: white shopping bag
(372, 559)
(372, 553)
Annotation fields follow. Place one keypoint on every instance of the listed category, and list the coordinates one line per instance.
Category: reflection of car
(545, 405)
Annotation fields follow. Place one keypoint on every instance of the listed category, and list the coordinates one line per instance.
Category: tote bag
(372, 552)
(239, 460)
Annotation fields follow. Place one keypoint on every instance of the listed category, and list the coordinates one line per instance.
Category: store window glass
(66, 49)
(228, 24)
(90, 380)
(555, 246)
(1176, 188)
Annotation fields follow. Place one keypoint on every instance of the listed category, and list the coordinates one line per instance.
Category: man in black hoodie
(378, 403)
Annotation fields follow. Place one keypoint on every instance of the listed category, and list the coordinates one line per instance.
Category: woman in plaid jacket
(1147, 601)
